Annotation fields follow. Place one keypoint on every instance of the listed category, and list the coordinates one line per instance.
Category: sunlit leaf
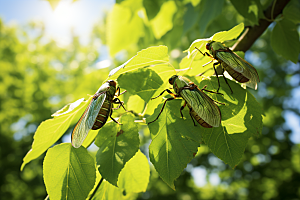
(228, 35)
(218, 37)
(121, 22)
(134, 177)
(69, 173)
(107, 191)
(174, 141)
(241, 119)
(68, 108)
(135, 103)
(135, 82)
(51, 130)
(147, 57)
(163, 21)
(117, 144)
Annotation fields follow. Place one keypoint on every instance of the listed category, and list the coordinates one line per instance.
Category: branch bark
(252, 33)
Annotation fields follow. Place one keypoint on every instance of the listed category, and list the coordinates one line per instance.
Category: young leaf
(285, 40)
(69, 173)
(117, 144)
(135, 82)
(51, 130)
(134, 177)
(174, 141)
(228, 35)
(151, 56)
(218, 37)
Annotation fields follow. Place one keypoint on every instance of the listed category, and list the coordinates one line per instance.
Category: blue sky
(80, 15)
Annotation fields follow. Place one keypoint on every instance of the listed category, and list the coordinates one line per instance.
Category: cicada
(238, 68)
(201, 107)
(97, 112)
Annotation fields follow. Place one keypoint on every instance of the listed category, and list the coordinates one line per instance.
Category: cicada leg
(118, 101)
(210, 90)
(118, 91)
(192, 117)
(166, 90)
(169, 99)
(182, 107)
(110, 115)
(227, 83)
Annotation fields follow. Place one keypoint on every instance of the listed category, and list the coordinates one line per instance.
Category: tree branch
(252, 33)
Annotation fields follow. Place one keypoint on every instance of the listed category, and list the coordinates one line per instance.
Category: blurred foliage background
(38, 77)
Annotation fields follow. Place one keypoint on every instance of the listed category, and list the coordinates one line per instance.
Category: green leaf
(135, 82)
(190, 18)
(291, 11)
(90, 138)
(152, 8)
(209, 10)
(196, 65)
(165, 72)
(69, 173)
(107, 191)
(120, 23)
(51, 130)
(163, 21)
(249, 9)
(218, 37)
(134, 177)
(285, 40)
(68, 108)
(228, 35)
(117, 144)
(174, 141)
(136, 104)
(147, 57)
(241, 119)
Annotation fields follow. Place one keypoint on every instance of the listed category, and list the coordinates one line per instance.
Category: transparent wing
(241, 66)
(87, 121)
(203, 105)
(235, 62)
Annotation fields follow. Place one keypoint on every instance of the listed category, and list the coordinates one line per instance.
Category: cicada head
(208, 46)
(112, 83)
(172, 79)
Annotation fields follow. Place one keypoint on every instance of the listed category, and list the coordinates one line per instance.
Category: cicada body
(237, 67)
(202, 108)
(97, 112)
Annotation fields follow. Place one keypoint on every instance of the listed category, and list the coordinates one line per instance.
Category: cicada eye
(208, 46)
(171, 80)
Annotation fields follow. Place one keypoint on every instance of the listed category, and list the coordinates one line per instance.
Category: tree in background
(38, 78)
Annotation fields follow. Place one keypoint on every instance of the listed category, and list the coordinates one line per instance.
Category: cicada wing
(87, 120)
(254, 77)
(235, 62)
(242, 66)
(203, 105)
